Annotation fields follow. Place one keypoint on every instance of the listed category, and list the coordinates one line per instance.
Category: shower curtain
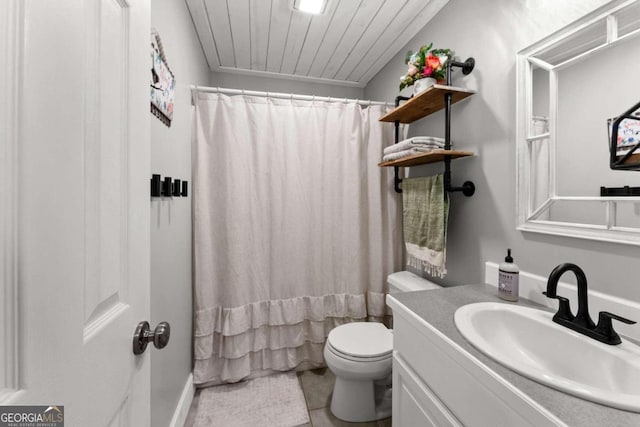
(295, 230)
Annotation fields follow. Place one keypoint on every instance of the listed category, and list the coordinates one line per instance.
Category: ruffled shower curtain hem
(241, 342)
(257, 364)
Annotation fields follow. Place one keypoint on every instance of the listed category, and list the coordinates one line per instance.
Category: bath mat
(275, 400)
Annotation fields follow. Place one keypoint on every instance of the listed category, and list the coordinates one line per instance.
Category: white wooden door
(75, 208)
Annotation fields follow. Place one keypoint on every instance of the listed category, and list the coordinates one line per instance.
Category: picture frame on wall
(162, 82)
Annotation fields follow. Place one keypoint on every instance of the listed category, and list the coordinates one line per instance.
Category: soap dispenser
(508, 276)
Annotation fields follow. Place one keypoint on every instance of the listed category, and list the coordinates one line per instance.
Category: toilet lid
(361, 339)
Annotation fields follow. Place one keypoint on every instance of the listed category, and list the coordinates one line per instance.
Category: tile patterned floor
(317, 386)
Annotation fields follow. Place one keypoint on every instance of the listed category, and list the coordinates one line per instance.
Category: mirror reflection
(573, 85)
(624, 147)
(591, 91)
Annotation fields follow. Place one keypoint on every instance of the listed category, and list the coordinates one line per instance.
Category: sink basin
(527, 341)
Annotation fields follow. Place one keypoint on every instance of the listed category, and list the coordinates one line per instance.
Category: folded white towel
(429, 141)
(426, 138)
(405, 146)
(404, 153)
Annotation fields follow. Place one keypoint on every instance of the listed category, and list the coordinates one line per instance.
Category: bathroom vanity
(440, 379)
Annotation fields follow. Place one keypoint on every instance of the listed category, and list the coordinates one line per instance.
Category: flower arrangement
(426, 62)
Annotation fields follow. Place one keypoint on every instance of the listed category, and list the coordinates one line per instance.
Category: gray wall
(171, 296)
(483, 226)
(268, 84)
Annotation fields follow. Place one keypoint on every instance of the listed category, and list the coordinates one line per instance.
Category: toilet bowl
(360, 356)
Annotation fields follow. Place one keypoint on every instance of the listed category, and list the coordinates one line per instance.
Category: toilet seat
(361, 341)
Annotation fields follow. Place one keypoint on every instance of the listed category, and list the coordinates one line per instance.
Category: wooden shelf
(428, 157)
(425, 103)
(634, 158)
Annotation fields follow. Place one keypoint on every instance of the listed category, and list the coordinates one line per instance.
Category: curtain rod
(228, 91)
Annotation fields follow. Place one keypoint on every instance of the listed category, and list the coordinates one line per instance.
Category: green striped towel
(425, 211)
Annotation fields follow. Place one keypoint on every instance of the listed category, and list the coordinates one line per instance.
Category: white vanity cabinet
(414, 403)
(438, 383)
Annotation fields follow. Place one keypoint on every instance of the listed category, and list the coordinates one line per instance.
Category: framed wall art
(162, 82)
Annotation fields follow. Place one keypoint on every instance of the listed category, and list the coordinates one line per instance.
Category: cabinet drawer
(414, 404)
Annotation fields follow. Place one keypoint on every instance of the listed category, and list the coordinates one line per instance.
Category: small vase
(423, 84)
(407, 92)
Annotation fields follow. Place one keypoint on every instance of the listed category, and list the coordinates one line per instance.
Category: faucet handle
(564, 309)
(605, 328)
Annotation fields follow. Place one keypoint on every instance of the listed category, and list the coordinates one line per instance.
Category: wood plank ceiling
(346, 45)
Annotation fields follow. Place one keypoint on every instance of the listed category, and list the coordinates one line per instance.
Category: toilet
(360, 356)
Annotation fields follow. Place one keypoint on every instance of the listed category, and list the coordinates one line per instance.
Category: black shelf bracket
(468, 188)
(396, 169)
(467, 67)
(625, 191)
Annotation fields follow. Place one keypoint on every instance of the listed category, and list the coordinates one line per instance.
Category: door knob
(144, 335)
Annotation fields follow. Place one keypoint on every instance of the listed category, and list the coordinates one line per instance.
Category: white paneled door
(75, 208)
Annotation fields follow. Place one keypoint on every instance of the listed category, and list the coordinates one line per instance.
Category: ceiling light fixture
(315, 7)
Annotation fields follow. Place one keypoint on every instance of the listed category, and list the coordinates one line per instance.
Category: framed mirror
(569, 85)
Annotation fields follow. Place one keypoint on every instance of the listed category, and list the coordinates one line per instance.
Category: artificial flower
(424, 63)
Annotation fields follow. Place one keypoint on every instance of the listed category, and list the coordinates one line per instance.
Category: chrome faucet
(582, 322)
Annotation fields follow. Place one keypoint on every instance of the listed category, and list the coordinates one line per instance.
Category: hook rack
(468, 188)
(168, 187)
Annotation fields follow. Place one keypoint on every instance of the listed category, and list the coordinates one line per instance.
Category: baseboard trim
(182, 410)
(532, 286)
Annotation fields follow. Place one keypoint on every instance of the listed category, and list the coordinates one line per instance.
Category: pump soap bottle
(508, 279)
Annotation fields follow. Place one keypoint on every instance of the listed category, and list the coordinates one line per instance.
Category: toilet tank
(406, 281)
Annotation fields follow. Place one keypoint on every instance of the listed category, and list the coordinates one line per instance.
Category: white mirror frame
(528, 215)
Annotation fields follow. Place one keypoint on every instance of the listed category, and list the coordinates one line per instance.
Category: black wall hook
(167, 187)
(156, 185)
(176, 188)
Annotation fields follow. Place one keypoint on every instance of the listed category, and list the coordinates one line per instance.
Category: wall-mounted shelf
(432, 156)
(634, 158)
(425, 103)
(435, 98)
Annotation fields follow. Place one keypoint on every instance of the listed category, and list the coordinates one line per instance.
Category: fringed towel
(426, 209)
